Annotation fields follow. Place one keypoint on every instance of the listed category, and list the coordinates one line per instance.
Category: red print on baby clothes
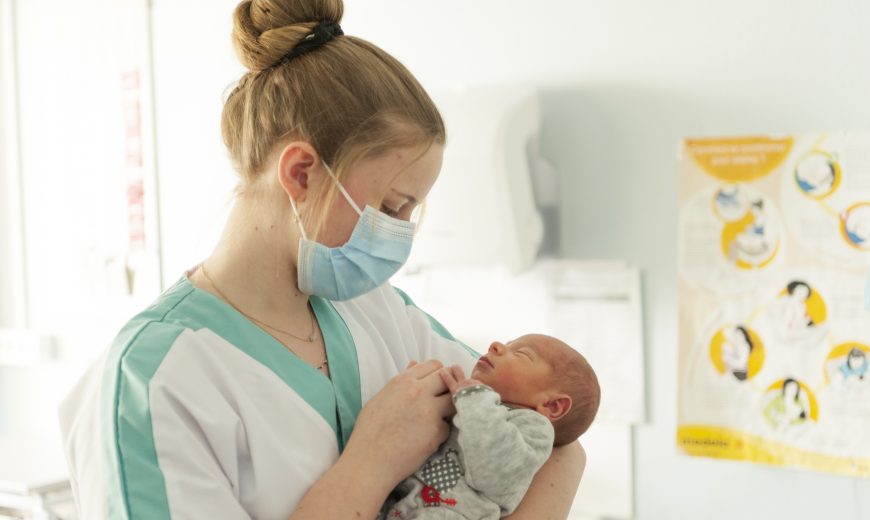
(439, 476)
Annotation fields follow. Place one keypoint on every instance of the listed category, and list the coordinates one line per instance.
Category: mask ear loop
(297, 218)
(343, 191)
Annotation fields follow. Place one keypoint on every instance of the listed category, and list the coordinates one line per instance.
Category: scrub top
(195, 412)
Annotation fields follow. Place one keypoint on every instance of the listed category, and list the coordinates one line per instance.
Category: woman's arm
(348, 490)
(394, 434)
(552, 491)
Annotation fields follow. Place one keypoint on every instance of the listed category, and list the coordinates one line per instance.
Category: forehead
(407, 171)
(542, 345)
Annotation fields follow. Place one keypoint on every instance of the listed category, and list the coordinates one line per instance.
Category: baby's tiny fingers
(448, 379)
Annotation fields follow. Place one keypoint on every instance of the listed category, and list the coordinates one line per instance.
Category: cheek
(339, 225)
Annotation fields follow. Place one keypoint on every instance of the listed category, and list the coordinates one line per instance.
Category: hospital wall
(622, 82)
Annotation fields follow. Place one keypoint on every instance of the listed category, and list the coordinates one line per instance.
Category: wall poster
(774, 335)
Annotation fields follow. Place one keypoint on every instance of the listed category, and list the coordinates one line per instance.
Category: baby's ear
(555, 407)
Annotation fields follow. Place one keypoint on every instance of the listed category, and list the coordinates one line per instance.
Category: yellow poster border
(725, 443)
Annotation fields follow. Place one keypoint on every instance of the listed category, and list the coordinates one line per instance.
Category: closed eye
(388, 211)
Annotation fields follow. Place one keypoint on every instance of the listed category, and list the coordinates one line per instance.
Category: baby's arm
(502, 449)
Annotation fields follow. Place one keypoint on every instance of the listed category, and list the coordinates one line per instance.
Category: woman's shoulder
(179, 315)
(165, 316)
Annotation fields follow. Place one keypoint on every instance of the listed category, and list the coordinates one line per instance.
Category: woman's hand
(403, 423)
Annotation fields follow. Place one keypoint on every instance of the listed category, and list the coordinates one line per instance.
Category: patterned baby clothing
(484, 468)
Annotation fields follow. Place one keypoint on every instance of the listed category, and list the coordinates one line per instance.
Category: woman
(856, 365)
(786, 408)
(736, 350)
(235, 394)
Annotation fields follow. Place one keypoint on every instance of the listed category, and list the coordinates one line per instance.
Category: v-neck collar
(337, 399)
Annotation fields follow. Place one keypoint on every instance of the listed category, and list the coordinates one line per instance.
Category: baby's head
(543, 373)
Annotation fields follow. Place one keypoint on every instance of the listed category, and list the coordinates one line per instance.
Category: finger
(412, 363)
(458, 373)
(444, 405)
(434, 384)
(421, 370)
(448, 379)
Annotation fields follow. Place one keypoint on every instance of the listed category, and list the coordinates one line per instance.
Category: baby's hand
(455, 380)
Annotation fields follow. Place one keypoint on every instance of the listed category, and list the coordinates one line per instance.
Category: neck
(254, 263)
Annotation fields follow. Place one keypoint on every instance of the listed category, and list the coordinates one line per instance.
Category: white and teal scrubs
(194, 412)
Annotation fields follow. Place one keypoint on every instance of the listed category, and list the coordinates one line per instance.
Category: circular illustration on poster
(737, 351)
(855, 225)
(799, 309)
(788, 402)
(730, 202)
(818, 174)
(750, 242)
(848, 364)
(826, 200)
(730, 235)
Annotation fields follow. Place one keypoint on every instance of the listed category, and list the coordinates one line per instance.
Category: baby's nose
(497, 348)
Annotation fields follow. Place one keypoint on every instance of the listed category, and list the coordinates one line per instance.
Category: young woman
(283, 377)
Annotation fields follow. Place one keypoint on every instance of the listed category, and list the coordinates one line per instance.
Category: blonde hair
(349, 99)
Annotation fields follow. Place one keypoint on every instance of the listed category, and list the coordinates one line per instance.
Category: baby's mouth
(484, 361)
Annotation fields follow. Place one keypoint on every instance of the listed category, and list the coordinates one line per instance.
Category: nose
(497, 348)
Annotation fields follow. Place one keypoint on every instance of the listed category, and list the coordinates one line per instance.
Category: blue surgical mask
(375, 251)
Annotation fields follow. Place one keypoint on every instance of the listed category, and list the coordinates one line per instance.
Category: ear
(555, 407)
(295, 164)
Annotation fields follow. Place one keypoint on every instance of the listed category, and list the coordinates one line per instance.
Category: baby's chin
(483, 377)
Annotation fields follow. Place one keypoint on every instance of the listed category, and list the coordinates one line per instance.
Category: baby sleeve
(502, 449)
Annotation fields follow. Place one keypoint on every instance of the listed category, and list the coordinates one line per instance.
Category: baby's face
(520, 370)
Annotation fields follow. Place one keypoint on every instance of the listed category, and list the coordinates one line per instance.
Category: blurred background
(114, 180)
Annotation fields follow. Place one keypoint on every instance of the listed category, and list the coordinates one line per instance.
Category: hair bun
(264, 31)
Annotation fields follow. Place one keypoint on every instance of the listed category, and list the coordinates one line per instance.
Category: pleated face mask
(377, 248)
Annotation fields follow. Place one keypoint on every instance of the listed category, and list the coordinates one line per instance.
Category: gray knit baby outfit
(484, 468)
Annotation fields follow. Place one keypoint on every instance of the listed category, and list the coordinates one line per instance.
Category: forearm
(552, 491)
(349, 490)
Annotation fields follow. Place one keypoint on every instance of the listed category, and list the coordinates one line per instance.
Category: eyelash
(390, 212)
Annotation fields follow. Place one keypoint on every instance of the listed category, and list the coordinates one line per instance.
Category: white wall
(622, 82)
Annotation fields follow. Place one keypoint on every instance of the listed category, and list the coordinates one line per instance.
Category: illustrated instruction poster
(774, 337)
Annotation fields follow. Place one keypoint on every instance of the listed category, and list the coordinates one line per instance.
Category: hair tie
(322, 33)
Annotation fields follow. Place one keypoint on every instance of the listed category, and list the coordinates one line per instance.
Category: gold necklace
(310, 339)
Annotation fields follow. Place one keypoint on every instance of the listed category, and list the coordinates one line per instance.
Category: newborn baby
(523, 398)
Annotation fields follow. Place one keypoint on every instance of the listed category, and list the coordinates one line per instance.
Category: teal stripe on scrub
(134, 483)
(343, 366)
